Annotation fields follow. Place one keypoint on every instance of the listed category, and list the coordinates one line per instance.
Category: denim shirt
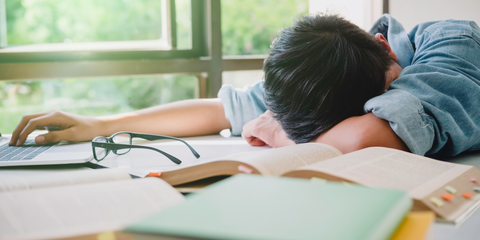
(434, 105)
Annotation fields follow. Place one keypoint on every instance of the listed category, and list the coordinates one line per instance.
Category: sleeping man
(327, 80)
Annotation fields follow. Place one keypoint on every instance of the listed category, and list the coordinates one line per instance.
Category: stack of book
(256, 207)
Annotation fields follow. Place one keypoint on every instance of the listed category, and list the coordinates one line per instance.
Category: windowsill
(145, 45)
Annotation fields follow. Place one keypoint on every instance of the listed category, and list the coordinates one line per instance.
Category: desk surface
(141, 162)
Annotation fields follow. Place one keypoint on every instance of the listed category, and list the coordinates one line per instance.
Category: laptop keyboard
(28, 151)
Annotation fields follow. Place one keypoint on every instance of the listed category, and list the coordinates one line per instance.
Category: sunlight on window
(72, 21)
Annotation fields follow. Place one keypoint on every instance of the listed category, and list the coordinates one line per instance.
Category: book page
(275, 162)
(82, 209)
(389, 168)
(22, 180)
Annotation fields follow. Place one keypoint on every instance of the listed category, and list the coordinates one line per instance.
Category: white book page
(275, 162)
(82, 209)
(23, 180)
(388, 168)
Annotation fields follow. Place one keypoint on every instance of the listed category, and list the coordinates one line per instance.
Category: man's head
(321, 71)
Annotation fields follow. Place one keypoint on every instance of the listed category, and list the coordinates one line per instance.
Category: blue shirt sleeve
(433, 106)
(242, 105)
(407, 118)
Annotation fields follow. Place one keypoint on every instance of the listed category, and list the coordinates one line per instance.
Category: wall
(412, 12)
(408, 12)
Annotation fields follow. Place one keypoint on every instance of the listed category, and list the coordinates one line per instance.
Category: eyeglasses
(117, 143)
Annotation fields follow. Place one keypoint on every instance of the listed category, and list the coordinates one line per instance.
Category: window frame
(198, 47)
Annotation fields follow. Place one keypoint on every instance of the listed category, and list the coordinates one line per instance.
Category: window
(249, 27)
(94, 57)
(53, 30)
(70, 22)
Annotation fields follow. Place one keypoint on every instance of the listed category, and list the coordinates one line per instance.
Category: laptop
(32, 154)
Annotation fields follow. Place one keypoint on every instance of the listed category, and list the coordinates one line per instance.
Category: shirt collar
(396, 36)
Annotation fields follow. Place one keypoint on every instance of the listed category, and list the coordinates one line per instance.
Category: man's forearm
(183, 118)
(360, 132)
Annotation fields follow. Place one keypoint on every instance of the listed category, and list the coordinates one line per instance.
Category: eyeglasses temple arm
(172, 158)
(155, 137)
(115, 146)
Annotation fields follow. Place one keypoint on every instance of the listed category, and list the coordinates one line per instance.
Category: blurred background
(37, 35)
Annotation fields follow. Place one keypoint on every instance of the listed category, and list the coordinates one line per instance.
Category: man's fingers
(55, 136)
(20, 127)
(253, 141)
(257, 142)
(33, 124)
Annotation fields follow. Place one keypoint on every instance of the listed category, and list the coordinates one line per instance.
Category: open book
(64, 204)
(445, 188)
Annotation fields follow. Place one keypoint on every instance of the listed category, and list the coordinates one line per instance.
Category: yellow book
(415, 226)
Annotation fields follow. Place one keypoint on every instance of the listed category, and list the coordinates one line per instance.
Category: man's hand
(72, 127)
(265, 130)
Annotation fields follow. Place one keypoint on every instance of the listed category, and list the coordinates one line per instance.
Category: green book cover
(258, 207)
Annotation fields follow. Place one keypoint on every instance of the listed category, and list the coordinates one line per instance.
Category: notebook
(32, 154)
(259, 207)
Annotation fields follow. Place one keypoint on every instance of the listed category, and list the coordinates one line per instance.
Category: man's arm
(350, 135)
(183, 118)
(360, 132)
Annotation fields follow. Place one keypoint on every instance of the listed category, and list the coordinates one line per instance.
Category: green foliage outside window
(58, 21)
(249, 26)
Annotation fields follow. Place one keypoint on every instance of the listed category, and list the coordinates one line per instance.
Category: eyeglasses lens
(123, 138)
(100, 152)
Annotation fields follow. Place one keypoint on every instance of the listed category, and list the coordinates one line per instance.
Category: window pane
(59, 21)
(184, 23)
(249, 26)
(91, 97)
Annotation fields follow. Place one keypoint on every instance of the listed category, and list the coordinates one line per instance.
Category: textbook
(65, 204)
(450, 190)
(256, 207)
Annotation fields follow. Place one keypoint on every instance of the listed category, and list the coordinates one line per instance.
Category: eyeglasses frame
(110, 145)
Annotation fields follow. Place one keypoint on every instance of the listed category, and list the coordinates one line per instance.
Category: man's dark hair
(320, 71)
